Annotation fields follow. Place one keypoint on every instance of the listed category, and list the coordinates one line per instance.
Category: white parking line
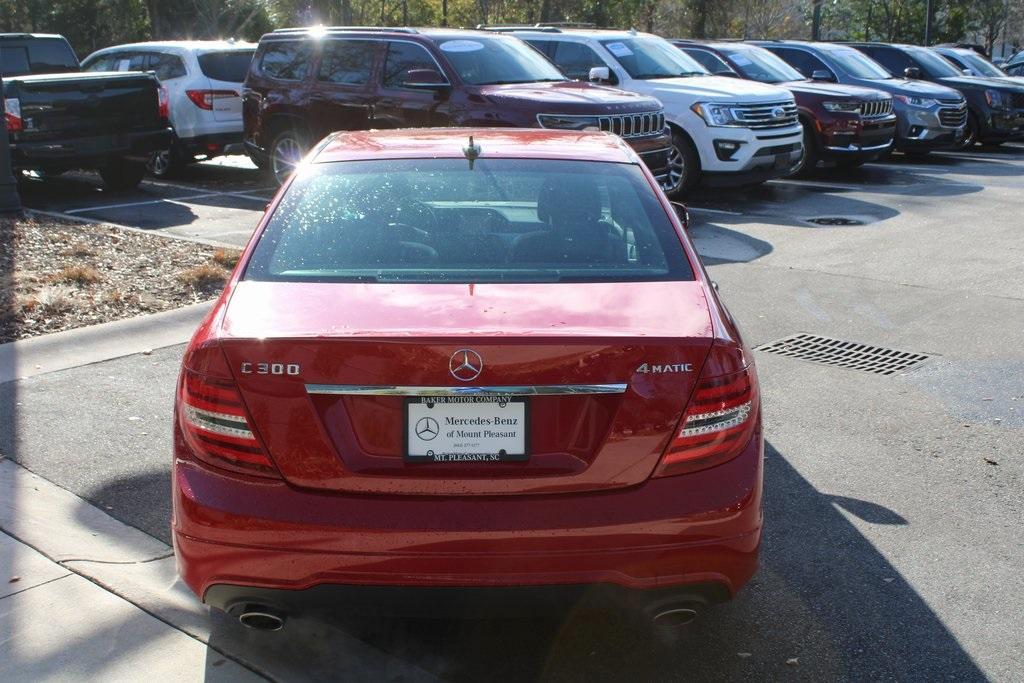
(126, 205)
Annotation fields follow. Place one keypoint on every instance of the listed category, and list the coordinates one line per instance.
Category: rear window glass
(287, 61)
(38, 56)
(436, 220)
(14, 61)
(226, 66)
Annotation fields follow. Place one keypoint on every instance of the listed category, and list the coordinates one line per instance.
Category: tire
(970, 134)
(122, 174)
(165, 163)
(683, 166)
(286, 151)
(811, 156)
(258, 161)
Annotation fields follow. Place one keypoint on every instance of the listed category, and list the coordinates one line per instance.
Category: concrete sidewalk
(58, 625)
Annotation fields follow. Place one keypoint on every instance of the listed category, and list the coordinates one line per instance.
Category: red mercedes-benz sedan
(458, 369)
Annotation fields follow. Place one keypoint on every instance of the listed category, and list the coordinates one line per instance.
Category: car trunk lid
(604, 371)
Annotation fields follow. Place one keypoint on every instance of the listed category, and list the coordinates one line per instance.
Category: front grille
(633, 125)
(770, 115)
(875, 108)
(953, 117)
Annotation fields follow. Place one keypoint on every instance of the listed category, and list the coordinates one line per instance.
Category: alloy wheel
(287, 155)
(676, 174)
(159, 162)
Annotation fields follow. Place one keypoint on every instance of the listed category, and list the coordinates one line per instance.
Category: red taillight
(718, 423)
(163, 102)
(204, 98)
(213, 417)
(12, 114)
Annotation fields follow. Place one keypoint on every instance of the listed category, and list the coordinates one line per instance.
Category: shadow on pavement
(824, 596)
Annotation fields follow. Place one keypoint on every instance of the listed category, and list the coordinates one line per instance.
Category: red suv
(463, 363)
(306, 83)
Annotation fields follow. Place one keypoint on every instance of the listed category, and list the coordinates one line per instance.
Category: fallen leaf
(14, 579)
(792, 661)
(744, 655)
(888, 579)
(990, 461)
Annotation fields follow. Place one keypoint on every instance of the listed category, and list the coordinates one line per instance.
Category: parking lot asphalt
(893, 503)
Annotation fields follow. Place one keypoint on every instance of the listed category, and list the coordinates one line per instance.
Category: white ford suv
(725, 131)
(203, 80)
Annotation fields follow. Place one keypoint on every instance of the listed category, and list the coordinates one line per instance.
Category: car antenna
(472, 152)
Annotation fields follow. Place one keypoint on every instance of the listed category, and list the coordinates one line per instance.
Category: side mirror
(600, 74)
(912, 72)
(682, 214)
(425, 79)
(822, 75)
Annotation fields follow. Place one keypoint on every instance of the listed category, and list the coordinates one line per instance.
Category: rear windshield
(37, 56)
(437, 220)
(226, 66)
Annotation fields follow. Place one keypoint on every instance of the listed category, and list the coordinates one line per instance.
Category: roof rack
(368, 29)
(500, 28)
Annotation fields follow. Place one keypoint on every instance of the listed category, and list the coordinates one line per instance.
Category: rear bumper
(87, 152)
(213, 144)
(236, 537)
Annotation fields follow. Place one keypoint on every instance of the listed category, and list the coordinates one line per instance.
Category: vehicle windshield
(759, 64)
(494, 61)
(440, 221)
(934, 65)
(646, 57)
(981, 66)
(859, 65)
(227, 65)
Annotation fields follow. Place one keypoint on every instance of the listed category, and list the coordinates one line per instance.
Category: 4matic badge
(648, 368)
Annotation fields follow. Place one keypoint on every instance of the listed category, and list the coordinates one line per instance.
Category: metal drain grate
(835, 220)
(845, 354)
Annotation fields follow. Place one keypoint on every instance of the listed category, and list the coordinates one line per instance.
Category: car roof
(507, 143)
(589, 32)
(388, 31)
(184, 44)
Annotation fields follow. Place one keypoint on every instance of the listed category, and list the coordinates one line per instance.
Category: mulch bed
(58, 275)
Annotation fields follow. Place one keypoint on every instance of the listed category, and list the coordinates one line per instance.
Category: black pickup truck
(59, 120)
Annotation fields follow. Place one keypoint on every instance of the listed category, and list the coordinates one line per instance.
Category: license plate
(782, 162)
(466, 429)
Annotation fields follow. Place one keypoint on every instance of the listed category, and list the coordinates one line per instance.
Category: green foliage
(91, 24)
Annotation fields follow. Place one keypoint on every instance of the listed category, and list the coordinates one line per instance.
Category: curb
(96, 343)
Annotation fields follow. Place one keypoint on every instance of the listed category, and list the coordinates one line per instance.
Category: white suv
(724, 130)
(203, 80)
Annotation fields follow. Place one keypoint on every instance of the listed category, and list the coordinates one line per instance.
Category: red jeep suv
(306, 83)
(461, 367)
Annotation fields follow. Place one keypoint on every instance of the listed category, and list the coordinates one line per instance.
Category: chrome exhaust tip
(674, 618)
(260, 618)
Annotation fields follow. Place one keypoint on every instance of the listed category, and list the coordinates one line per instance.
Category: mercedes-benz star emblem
(465, 365)
(427, 428)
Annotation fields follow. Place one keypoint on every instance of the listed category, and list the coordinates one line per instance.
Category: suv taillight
(213, 417)
(163, 102)
(204, 98)
(718, 423)
(12, 114)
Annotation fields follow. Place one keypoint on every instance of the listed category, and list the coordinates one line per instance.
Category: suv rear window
(229, 65)
(286, 60)
(436, 220)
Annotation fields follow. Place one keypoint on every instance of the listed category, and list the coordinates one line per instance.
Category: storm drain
(835, 220)
(845, 354)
